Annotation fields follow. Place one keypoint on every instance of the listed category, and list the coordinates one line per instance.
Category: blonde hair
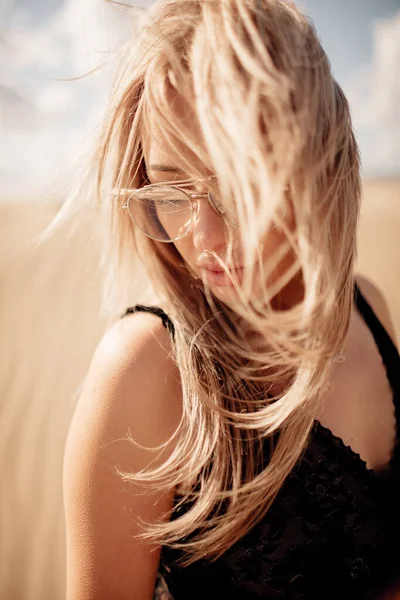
(273, 124)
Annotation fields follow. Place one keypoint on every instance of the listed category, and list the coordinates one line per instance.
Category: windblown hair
(274, 126)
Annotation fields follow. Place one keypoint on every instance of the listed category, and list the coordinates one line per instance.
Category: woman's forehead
(157, 152)
(161, 161)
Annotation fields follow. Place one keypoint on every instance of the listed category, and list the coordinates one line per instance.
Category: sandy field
(49, 324)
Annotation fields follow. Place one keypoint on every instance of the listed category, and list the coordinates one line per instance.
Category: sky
(47, 119)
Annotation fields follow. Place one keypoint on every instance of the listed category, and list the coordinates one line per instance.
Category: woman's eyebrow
(165, 168)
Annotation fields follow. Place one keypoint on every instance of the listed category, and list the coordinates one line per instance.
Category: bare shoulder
(132, 391)
(378, 303)
(139, 382)
(134, 338)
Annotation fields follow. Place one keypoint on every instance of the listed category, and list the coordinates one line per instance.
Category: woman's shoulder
(378, 303)
(140, 331)
(132, 386)
(134, 360)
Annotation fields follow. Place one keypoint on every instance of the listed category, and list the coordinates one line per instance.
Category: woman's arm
(132, 386)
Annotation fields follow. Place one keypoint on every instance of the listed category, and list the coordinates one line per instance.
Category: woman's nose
(208, 230)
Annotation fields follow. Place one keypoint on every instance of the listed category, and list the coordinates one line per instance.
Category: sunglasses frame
(182, 183)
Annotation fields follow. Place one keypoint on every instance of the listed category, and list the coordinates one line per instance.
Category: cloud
(374, 95)
(15, 108)
(44, 119)
(68, 40)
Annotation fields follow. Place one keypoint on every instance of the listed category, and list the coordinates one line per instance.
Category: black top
(332, 532)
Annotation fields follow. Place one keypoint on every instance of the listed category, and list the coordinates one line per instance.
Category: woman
(242, 444)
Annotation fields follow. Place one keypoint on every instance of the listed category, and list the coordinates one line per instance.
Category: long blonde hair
(275, 128)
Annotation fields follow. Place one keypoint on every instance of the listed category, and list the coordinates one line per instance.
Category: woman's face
(209, 234)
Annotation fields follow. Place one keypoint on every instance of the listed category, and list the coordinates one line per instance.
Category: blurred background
(49, 296)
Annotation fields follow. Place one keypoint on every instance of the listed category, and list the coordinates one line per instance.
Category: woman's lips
(221, 278)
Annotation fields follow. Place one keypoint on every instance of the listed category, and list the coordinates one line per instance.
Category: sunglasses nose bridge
(194, 200)
(216, 206)
(193, 196)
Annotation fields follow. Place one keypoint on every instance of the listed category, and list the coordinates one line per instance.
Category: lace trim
(353, 457)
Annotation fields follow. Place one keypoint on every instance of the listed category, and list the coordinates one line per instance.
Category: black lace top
(333, 531)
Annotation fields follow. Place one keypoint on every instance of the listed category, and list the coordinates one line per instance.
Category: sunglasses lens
(162, 213)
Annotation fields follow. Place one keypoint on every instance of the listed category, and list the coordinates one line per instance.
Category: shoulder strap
(386, 347)
(155, 310)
